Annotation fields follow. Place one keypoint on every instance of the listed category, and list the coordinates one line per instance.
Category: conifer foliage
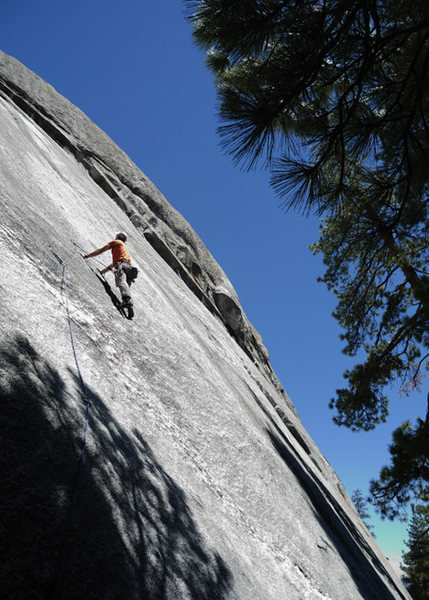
(361, 506)
(416, 560)
(332, 98)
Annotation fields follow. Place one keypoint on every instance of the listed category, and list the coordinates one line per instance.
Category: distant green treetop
(416, 560)
(361, 506)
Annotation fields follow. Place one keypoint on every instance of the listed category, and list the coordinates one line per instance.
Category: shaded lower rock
(112, 525)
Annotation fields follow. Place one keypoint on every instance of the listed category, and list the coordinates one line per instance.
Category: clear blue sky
(132, 67)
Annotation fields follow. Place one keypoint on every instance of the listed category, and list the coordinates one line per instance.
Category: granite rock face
(157, 458)
(169, 233)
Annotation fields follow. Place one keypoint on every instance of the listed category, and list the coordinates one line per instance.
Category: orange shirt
(119, 251)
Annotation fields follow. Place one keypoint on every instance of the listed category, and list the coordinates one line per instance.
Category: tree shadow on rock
(113, 525)
(338, 526)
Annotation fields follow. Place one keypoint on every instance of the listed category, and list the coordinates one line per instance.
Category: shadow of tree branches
(114, 525)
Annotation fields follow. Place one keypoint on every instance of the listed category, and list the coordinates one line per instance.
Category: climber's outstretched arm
(96, 252)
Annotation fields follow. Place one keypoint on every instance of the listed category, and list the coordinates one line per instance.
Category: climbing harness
(126, 310)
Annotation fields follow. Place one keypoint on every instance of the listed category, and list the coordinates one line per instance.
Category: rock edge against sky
(198, 479)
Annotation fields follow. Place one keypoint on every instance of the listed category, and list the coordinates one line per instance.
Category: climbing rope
(57, 583)
(82, 383)
(65, 294)
(63, 548)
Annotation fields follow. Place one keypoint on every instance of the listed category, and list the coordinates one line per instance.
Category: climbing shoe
(127, 305)
(126, 302)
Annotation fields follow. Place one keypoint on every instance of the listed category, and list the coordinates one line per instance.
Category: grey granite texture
(169, 233)
(197, 480)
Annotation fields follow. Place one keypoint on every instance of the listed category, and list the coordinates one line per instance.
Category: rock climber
(121, 264)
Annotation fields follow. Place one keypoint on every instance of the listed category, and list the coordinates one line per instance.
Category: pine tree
(332, 98)
(408, 475)
(362, 508)
(416, 560)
